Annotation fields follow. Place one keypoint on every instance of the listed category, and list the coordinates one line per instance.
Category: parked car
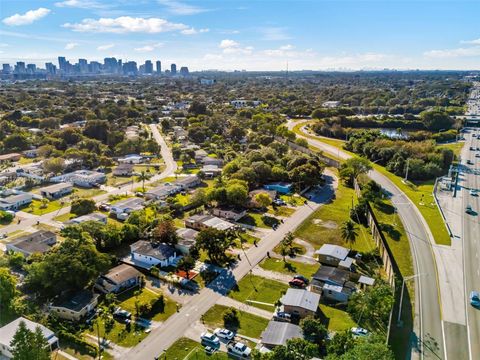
(239, 349)
(301, 277)
(224, 334)
(282, 316)
(139, 194)
(469, 162)
(209, 338)
(475, 299)
(472, 148)
(469, 209)
(297, 283)
(123, 316)
(209, 350)
(279, 202)
(358, 331)
(473, 192)
(477, 155)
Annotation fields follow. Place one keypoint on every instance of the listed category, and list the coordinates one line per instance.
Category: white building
(146, 255)
(131, 159)
(126, 206)
(15, 202)
(82, 178)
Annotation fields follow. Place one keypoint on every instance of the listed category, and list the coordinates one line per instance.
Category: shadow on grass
(391, 231)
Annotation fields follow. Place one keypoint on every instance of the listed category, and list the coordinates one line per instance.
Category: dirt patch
(327, 224)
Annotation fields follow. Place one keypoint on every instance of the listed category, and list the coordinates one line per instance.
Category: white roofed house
(162, 192)
(335, 255)
(118, 279)
(277, 333)
(300, 302)
(56, 191)
(188, 182)
(98, 217)
(122, 208)
(82, 178)
(202, 222)
(15, 202)
(131, 159)
(229, 212)
(145, 254)
(123, 170)
(8, 331)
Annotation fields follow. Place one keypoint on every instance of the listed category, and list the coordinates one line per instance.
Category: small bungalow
(211, 171)
(186, 239)
(277, 333)
(124, 207)
(202, 222)
(82, 178)
(98, 217)
(118, 279)
(299, 302)
(38, 242)
(229, 212)
(212, 161)
(200, 154)
(280, 187)
(123, 170)
(161, 192)
(145, 254)
(188, 182)
(56, 191)
(8, 332)
(131, 159)
(31, 153)
(76, 307)
(335, 255)
(15, 202)
(333, 283)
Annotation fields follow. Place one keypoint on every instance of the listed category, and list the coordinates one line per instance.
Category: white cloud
(126, 24)
(105, 47)
(27, 18)
(454, 53)
(70, 46)
(179, 8)
(193, 31)
(274, 33)
(232, 47)
(471, 42)
(81, 4)
(148, 48)
(227, 43)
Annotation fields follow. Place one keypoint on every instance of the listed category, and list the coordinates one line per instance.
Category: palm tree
(142, 177)
(349, 232)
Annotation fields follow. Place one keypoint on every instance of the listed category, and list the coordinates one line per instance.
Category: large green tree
(215, 243)
(7, 288)
(29, 345)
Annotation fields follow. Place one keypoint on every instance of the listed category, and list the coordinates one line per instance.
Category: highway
(175, 327)
(471, 240)
(428, 340)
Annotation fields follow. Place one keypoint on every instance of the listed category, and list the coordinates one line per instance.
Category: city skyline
(246, 34)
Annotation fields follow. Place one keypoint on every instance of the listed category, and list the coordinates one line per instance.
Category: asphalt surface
(471, 241)
(427, 340)
(177, 325)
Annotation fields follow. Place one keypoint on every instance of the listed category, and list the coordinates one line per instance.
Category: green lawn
(456, 147)
(338, 320)
(36, 207)
(257, 288)
(324, 225)
(281, 211)
(127, 302)
(184, 349)
(64, 217)
(291, 267)
(87, 193)
(250, 325)
(293, 200)
(119, 334)
(254, 219)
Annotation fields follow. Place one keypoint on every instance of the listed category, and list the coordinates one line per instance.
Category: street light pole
(405, 279)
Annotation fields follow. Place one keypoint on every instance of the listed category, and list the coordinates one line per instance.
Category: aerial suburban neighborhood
(252, 211)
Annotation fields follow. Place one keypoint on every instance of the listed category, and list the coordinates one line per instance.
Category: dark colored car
(297, 283)
(301, 277)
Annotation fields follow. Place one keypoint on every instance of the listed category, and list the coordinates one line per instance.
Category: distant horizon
(252, 35)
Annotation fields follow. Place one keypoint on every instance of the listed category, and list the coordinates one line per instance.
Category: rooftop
(129, 203)
(332, 274)
(37, 242)
(338, 252)
(8, 331)
(277, 333)
(56, 187)
(158, 251)
(301, 298)
(187, 234)
(122, 273)
(76, 302)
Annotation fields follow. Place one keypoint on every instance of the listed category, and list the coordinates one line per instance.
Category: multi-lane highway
(428, 340)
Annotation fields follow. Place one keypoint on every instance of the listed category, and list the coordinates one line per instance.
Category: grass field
(324, 225)
(184, 349)
(64, 217)
(456, 147)
(87, 193)
(147, 295)
(36, 207)
(281, 211)
(254, 219)
(257, 288)
(337, 320)
(119, 334)
(290, 268)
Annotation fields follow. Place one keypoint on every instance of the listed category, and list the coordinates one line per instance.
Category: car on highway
(239, 349)
(472, 148)
(473, 192)
(475, 299)
(358, 331)
(297, 283)
(224, 334)
(469, 209)
(209, 338)
(477, 155)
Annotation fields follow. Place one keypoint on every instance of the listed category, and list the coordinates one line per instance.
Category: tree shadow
(391, 231)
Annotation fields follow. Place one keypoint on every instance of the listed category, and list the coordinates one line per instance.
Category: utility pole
(405, 279)
(406, 173)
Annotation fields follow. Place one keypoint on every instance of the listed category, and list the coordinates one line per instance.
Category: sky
(249, 34)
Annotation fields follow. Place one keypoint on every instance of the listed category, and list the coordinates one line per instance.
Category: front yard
(184, 349)
(289, 267)
(37, 208)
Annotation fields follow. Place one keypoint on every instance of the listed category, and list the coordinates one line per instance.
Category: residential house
(15, 202)
(123, 170)
(7, 176)
(131, 159)
(331, 104)
(202, 222)
(211, 171)
(119, 279)
(76, 307)
(8, 331)
(188, 182)
(280, 187)
(145, 254)
(38, 242)
(229, 212)
(98, 217)
(300, 302)
(333, 283)
(212, 161)
(335, 255)
(82, 178)
(241, 103)
(277, 333)
(161, 192)
(10, 157)
(122, 208)
(31, 153)
(56, 191)
(200, 154)
(186, 239)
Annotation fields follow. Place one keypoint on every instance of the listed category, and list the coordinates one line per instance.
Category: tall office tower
(31, 69)
(62, 64)
(51, 69)
(148, 67)
(173, 69)
(83, 66)
(141, 69)
(6, 69)
(184, 71)
(130, 68)
(94, 67)
(111, 66)
(159, 67)
(20, 68)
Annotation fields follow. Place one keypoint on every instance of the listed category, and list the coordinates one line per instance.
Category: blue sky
(252, 35)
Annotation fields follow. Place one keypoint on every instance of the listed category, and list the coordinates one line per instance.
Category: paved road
(428, 338)
(177, 325)
(471, 242)
(170, 168)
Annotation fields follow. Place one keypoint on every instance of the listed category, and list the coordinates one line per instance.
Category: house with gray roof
(38, 242)
(15, 202)
(118, 279)
(75, 307)
(56, 191)
(277, 333)
(98, 217)
(300, 302)
(186, 239)
(126, 206)
(146, 255)
(334, 255)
